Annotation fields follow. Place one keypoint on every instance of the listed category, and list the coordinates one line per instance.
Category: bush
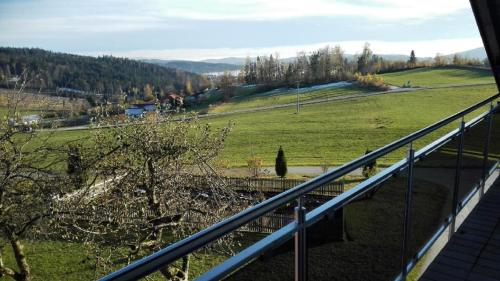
(371, 81)
(254, 163)
(370, 168)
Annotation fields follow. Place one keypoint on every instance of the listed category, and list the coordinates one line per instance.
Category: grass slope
(341, 131)
(332, 132)
(56, 260)
(440, 76)
(371, 248)
(260, 100)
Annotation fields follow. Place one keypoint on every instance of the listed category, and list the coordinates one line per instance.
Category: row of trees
(324, 65)
(331, 64)
(112, 77)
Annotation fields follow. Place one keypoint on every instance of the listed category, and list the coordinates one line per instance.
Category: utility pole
(298, 91)
(298, 101)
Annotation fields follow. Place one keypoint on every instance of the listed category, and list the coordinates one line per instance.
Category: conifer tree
(280, 165)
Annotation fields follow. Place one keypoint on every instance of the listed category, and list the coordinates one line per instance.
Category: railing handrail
(173, 252)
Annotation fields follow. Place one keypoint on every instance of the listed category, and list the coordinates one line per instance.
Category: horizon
(216, 29)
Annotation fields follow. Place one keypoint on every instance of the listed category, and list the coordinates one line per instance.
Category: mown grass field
(260, 100)
(335, 132)
(440, 76)
(56, 260)
(341, 131)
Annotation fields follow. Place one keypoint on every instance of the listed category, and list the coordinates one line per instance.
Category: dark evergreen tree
(280, 165)
(412, 62)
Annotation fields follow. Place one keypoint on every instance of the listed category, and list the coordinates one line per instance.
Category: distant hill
(478, 53)
(229, 60)
(107, 75)
(199, 67)
(241, 61)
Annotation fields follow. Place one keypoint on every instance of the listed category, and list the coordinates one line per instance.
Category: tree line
(111, 77)
(330, 64)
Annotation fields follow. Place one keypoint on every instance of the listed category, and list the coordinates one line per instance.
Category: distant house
(62, 90)
(13, 79)
(134, 112)
(30, 119)
(175, 99)
(148, 107)
(139, 110)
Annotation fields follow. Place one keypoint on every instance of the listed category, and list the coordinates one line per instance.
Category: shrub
(371, 81)
(370, 168)
(254, 163)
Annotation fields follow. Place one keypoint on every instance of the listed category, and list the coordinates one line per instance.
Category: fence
(266, 185)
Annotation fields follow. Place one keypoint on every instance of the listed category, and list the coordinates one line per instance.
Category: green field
(55, 260)
(335, 132)
(266, 99)
(341, 131)
(442, 76)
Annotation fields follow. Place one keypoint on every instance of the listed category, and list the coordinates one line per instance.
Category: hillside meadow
(440, 76)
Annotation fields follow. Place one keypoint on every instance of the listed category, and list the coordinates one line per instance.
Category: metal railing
(303, 219)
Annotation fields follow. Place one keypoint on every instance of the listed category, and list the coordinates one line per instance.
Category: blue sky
(202, 29)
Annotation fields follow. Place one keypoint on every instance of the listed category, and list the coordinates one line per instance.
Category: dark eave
(487, 14)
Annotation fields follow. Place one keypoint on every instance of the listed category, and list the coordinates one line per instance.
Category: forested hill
(195, 66)
(107, 75)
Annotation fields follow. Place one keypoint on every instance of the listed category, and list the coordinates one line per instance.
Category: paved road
(297, 170)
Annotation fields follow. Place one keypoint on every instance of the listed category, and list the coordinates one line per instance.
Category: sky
(210, 29)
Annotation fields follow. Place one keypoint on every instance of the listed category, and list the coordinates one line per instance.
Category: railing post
(458, 173)
(300, 242)
(407, 217)
(486, 149)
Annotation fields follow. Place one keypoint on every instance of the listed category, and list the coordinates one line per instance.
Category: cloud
(385, 10)
(422, 49)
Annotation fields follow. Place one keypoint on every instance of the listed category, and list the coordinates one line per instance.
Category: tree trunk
(182, 274)
(24, 268)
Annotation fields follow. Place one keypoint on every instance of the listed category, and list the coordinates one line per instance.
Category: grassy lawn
(4, 112)
(56, 260)
(428, 77)
(334, 132)
(341, 131)
(373, 235)
(267, 99)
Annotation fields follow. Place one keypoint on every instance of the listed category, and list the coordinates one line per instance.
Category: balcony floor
(473, 253)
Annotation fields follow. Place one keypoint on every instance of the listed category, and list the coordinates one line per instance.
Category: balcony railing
(404, 208)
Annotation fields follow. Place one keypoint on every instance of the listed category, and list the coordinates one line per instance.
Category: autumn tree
(364, 59)
(148, 93)
(226, 85)
(439, 60)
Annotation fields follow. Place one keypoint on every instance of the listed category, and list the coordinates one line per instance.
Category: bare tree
(29, 182)
(161, 185)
